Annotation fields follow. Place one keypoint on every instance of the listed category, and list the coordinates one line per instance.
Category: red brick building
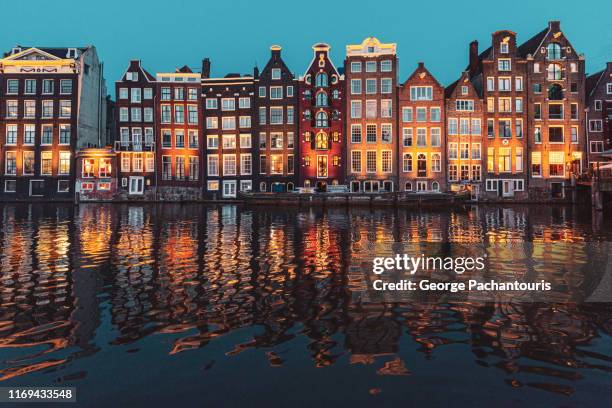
(136, 111)
(179, 144)
(599, 115)
(556, 94)
(227, 105)
(277, 126)
(371, 93)
(52, 102)
(321, 102)
(422, 141)
(464, 117)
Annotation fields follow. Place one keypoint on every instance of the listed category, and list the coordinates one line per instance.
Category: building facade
(464, 116)
(599, 116)
(421, 132)
(504, 75)
(556, 94)
(227, 105)
(96, 174)
(136, 110)
(321, 103)
(277, 126)
(178, 135)
(52, 102)
(371, 93)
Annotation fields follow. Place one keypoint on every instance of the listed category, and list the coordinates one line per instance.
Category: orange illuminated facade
(422, 141)
(371, 94)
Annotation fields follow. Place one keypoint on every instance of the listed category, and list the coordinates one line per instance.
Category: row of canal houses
(521, 122)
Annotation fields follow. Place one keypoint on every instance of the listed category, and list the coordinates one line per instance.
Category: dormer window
(503, 47)
(15, 50)
(276, 73)
(72, 53)
(131, 76)
(370, 49)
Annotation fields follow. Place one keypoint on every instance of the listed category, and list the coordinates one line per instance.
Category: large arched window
(421, 165)
(321, 80)
(553, 51)
(321, 119)
(321, 99)
(322, 141)
(555, 92)
(554, 71)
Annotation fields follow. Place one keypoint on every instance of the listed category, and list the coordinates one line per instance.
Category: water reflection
(196, 273)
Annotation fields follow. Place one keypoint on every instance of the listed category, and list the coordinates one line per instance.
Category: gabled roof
(51, 52)
(531, 45)
(421, 68)
(268, 66)
(475, 81)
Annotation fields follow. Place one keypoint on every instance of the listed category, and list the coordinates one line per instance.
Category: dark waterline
(151, 305)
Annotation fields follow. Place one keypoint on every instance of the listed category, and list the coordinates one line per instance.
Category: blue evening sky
(236, 34)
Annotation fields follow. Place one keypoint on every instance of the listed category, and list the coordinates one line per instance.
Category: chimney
(421, 65)
(206, 68)
(255, 72)
(554, 25)
(473, 57)
(276, 52)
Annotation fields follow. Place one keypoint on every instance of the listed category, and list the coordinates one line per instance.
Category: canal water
(157, 305)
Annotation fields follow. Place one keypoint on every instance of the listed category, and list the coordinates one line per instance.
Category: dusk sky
(236, 34)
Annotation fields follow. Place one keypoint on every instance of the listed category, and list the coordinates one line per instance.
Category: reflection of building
(422, 141)
(599, 115)
(277, 126)
(53, 103)
(96, 177)
(371, 92)
(227, 106)
(321, 119)
(556, 87)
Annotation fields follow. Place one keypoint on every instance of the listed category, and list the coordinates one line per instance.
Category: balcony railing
(129, 146)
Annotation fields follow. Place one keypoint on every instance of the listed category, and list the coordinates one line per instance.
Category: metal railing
(130, 146)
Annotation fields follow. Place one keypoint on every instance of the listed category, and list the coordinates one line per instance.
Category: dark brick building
(556, 116)
(52, 102)
(277, 126)
(422, 142)
(504, 75)
(321, 102)
(371, 92)
(136, 109)
(228, 108)
(599, 115)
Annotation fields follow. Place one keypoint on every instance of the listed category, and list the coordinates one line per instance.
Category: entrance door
(507, 188)
(321, 186)
(421, 186)
(229, 189)
(321, 166)
(136, 185)
(556, 190)
(388, 186)
(37, 188)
